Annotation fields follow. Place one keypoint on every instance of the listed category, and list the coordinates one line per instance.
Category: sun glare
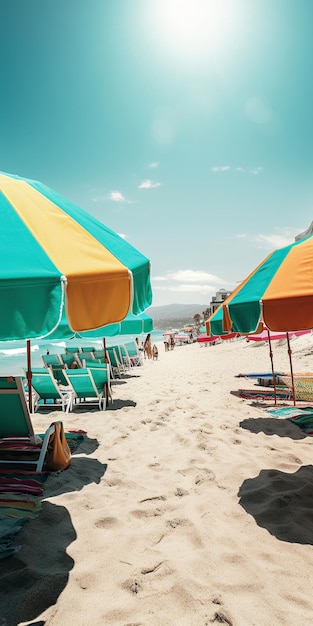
(195, 27)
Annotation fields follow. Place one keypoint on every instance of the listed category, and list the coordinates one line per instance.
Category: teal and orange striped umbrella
(279, 292)
(54, 255)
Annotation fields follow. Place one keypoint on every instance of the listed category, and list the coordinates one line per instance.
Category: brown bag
(58, 455)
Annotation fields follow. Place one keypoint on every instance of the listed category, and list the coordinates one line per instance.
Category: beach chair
(72, 349)
(84, 387)
(58, 373)
(116, 364)
(87, 349)
(100, 373)
(99, 356)
(50, 359)
(47, 389)
(70, 358)
(86, 356)
(124, 356)
(17, 436)
(134, 354)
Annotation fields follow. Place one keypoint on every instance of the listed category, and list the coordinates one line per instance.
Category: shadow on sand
(281, 503)
(272, 426)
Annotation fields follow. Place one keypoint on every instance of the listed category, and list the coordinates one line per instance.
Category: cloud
(188, 285)
(187, 288)
(148, 184)
(191, 276)
(154, 165)
(117, 196)
(271, 241)
(188, 281)
(240, 170)
(220, 168)
(274, 241)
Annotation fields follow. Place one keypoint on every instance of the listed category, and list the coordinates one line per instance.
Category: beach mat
(264, 394)
(301, 417)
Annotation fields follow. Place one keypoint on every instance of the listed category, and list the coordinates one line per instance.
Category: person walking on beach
(147, 346)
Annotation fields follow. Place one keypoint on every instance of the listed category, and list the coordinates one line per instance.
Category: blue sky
(184, 125)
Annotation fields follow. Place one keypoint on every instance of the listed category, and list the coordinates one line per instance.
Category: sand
(185, 506)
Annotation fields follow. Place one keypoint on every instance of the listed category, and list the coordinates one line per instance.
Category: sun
(195, 28)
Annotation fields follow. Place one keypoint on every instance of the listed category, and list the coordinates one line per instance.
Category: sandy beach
(184, 506)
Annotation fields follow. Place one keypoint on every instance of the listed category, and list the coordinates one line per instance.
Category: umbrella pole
(291, 370)
(106, 360)
(272, 364)
(29, 376)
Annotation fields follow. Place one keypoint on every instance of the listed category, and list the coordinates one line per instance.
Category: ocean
(13, 357)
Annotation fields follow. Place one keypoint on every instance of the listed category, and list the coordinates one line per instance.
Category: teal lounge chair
(50, 359)
(134, 353)
(86, 356)
(58, 373)
(72, 349)
(116, 363)
(99, 356)
(17, 436)
(84, 387)
(46, 388)
(100, 373)
(124, 356)
(70, 358)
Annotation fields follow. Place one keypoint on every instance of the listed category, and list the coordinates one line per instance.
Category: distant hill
(174, 315)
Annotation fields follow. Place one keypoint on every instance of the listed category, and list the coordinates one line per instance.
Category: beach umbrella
(52, 251)
(278, 291)
(131, 325)
(53, 254)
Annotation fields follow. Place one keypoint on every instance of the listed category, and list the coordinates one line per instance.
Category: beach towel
(21, 494)
(290, 411)
(264, 394)
(301, 417)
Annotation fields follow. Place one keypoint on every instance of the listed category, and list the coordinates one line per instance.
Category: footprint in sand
(204, 477)
(139, 514)
(181, 492)
(174, 523)
(131, 585)
(106, 522)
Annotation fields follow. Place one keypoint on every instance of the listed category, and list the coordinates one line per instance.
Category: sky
(186, 126)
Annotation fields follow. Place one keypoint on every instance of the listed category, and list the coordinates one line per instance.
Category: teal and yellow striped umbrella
(131, 325)
(53, 256)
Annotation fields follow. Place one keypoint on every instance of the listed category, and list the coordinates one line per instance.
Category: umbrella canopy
(131, 325)
(53, 254)
(279, 291)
